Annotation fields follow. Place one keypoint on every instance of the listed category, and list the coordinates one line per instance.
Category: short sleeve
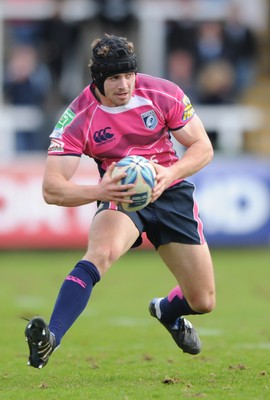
(182, 111)
(67, 137)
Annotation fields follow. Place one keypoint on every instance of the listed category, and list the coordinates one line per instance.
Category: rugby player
(123, 112)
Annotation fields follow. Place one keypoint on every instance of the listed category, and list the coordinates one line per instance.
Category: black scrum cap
(111, 55)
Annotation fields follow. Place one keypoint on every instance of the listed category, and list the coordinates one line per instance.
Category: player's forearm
(194, 159)
(69, 194)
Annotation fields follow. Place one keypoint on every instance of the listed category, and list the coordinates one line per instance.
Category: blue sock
(73, 297)
(174, 306)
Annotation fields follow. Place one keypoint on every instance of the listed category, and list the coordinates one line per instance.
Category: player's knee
(203, 305)
(206, 307)
(103, 257)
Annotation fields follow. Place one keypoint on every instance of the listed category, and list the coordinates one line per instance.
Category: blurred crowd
(213, 61)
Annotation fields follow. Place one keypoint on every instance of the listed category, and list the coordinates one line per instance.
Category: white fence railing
(229, 122)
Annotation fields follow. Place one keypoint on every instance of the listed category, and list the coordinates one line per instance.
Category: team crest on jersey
(189, 110)
(65, 120)
(150, 119)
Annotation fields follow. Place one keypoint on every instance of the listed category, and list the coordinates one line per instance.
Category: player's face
(118, 89)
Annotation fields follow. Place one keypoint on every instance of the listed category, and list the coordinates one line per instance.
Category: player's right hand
(111, 189)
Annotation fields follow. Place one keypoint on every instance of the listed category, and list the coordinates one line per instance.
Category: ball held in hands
(141, 173)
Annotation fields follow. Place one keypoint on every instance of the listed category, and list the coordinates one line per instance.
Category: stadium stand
(247, 117)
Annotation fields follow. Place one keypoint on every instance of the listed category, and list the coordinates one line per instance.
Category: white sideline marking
(209, 332)
(30, 302)
(129, 321)
(263, 346)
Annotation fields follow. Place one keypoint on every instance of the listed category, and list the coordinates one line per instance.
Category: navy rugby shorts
(173, 217)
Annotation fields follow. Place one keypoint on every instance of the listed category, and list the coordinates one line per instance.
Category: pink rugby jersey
(141, 127)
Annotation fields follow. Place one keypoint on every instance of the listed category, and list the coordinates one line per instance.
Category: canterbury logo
(103, 135)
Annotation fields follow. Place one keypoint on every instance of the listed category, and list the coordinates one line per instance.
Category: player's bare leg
(111, 235)
(192, 267)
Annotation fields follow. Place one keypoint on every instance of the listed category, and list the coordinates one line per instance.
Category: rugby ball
(142, 174)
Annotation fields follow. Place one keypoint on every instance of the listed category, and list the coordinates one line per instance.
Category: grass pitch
(116, 351)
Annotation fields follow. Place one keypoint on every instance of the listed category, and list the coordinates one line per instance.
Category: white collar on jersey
(134, 102)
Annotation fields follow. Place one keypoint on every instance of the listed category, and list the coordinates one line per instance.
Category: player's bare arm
(199, 152)
(59, 189)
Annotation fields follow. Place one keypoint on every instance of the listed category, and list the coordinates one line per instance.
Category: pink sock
(175, 292)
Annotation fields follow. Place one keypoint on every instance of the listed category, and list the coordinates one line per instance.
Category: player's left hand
(164, 178)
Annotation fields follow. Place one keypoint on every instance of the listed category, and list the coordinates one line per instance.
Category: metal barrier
(230, 123)
(15, 118)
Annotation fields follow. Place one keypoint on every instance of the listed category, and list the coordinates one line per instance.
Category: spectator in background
(198, 61)
(180, 45)
(216, 83)
(229, 42)
(240, 44)
(215, 75)
(215, 80)
(27, 82)
(210, 44)
(59, 41)
(28, 32)
(181, 35)
(181, 71)
(216, 86)
(195, 51)
(115, 13)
